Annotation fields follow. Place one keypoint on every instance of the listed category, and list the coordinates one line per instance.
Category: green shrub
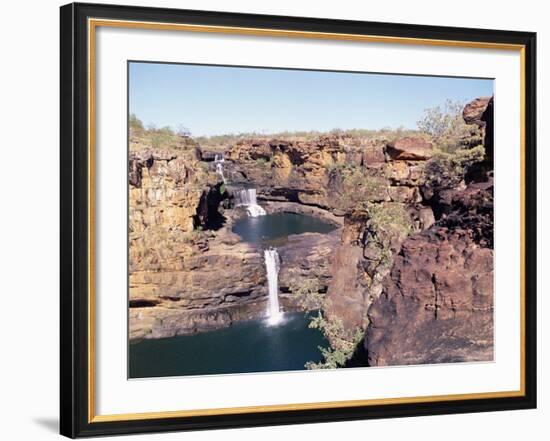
(261, 161)
(447, 169)
(342, 344)
(389, 213)
(341, 348)
(359, 187)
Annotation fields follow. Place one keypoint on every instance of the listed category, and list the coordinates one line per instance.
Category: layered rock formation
(326, 172)
(206, 289)
(180, 280)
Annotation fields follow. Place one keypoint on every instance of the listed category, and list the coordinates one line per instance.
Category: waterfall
(219, 160)
(272, 265)
(219, 170)
(247, 198)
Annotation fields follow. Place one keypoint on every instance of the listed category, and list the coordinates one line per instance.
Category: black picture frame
(76, 418)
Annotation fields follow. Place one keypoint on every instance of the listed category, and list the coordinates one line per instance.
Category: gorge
(377, 248)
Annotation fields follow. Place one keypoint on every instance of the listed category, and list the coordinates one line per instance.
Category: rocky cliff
(180, 279)
(437, 302)
(332, 172)
(188, 271)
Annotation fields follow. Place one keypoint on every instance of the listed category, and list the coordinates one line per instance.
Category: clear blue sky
(213, 100)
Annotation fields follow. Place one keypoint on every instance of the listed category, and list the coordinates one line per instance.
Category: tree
(447, 127)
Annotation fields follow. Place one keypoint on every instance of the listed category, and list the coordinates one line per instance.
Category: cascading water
(247, 198)
(219, 170)
(272, 265)
(219, 160)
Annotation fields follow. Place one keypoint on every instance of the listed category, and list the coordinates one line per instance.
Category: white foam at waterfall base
(255, 210)
(272, 267)
(247, 198)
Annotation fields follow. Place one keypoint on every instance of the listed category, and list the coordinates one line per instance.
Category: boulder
(426, 217)
(474, 110)
(409, 149)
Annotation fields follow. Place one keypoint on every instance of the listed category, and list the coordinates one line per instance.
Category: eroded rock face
(361, 261)
(437, 304)
(165, 191)
(470, 209)
(331, 172)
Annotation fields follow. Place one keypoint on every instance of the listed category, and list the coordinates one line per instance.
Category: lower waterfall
(272, 265)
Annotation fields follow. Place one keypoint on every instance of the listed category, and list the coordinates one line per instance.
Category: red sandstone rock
(481, 112)
(410, 149)
(437, 305)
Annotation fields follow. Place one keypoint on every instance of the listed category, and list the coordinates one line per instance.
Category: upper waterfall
(219, 170)
(219, 160)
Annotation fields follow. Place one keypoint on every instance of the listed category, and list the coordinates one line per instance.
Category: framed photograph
(275, 220)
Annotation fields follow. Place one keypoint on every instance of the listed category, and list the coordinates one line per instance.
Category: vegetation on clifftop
(164, 138)
(447, 129)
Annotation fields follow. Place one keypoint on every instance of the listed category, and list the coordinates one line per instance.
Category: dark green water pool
(250, 346)
(270, 228)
